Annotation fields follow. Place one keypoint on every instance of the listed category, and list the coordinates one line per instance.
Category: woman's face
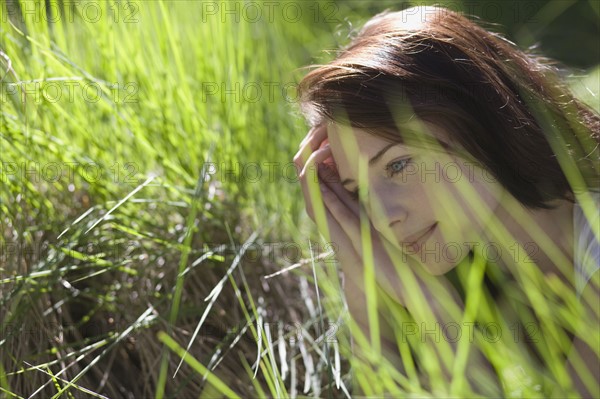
(428, 202)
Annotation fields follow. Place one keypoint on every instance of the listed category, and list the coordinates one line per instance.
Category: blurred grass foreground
(148, 201)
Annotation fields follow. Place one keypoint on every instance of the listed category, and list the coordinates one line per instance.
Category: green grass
(124, 275)
(133, 226)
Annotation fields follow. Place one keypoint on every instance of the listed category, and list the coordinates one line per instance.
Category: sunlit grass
(107, 235)
(112, 274)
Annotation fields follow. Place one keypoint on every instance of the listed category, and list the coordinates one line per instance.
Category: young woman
(458, 171)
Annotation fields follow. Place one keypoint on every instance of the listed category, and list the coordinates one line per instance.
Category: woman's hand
(342, 229)
(314, 150)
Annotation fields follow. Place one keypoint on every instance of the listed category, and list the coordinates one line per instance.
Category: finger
(310, 133)
(331, 178)
(348, 216)
(311, 142)
(315, 136)
(309, 180)
(342, 246)
(315, 158)
(301, 158)
(348, 220)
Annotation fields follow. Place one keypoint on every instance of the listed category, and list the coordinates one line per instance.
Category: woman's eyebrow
(380, 153)
(373, 160)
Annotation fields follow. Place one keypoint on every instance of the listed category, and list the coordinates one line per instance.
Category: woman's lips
(417, 243)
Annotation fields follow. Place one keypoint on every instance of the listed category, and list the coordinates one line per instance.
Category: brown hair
(505, 107)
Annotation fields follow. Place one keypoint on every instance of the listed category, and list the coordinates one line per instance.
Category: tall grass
(113, 108)
(140, 248)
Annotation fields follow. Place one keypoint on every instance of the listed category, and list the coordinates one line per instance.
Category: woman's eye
(354, 194)
(396, 167)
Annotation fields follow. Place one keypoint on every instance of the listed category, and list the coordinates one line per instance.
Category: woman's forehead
(423, 134)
